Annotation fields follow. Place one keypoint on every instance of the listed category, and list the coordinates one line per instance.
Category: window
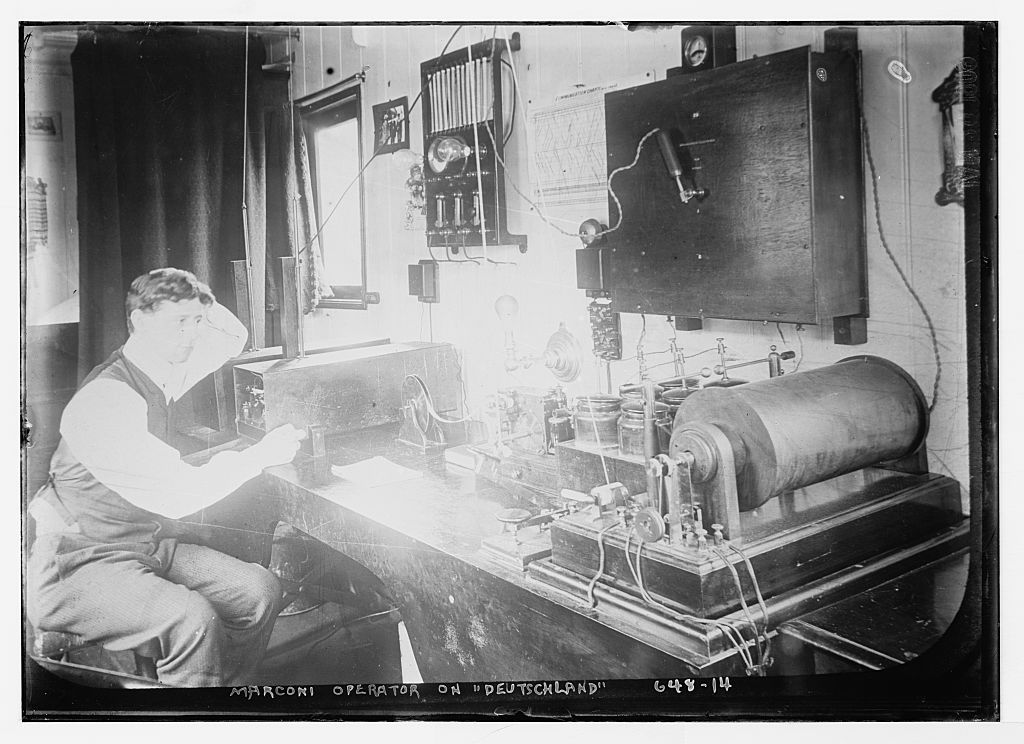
(332, 124)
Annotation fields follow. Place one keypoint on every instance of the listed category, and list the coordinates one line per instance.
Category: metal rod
(317, 96)
(671, 381)
(673, 499)
(432, 85)
(458, 96)
(650, 425)
(479, 178)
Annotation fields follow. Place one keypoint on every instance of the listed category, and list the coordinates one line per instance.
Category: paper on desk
(377, 471)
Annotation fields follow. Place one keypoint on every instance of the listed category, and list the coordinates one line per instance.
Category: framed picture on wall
(391, 126)
(43, 125)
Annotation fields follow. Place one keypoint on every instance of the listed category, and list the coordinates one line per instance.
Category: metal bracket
(670, 482)
(712, 475)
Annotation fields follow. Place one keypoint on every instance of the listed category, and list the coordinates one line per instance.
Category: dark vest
(102, 515)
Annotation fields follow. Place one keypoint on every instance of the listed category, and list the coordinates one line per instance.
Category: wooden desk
(891, 624)
(469, 617)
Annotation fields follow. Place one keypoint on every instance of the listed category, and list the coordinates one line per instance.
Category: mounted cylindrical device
(675, 168)
(792, 431)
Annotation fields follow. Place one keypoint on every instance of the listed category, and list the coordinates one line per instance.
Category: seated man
(111, 562)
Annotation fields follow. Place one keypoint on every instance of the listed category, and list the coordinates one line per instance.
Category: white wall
(905, 135)
(52, 271)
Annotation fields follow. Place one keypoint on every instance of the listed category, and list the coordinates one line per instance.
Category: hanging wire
(479, 166)
(646, 354)
(611, 190)
(443, 50)
(800, 338)
(641, 361)
(659, 365)
(760, 600)
(512, 116)
(726, 627)
(591, 600)
(449, 258)
(742, 646)
(888, 251)
(743, 604)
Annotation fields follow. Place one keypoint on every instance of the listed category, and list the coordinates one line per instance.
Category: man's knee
(199, 619)
(192, 646)
(263, 593)
(270, 590)
(42, 595)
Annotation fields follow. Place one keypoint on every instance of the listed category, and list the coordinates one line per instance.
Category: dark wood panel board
(777, 237)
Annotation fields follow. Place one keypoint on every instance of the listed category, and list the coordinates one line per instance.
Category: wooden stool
(53, 649)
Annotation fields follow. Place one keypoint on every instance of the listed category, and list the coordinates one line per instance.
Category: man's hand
(279, 445)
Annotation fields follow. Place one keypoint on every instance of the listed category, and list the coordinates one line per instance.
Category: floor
(410, 672)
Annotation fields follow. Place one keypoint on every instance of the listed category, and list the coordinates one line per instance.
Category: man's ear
(137, 320)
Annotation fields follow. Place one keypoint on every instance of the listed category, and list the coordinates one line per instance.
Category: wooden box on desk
(344, 390)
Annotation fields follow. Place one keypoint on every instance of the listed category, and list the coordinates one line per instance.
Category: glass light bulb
(450, 149)
(507, 307)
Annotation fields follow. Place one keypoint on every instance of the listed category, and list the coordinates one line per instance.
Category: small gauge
(706, 47)
(695, 51)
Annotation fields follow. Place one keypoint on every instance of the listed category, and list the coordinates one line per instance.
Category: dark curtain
(279, 190)
(159, 118)
(313, 285)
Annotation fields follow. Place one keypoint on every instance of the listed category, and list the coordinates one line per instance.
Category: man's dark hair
(164, 285)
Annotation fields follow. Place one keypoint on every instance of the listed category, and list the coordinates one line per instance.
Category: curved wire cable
(610, 189)
(743, 604)
(892, 256)
(591, 599)
(760, 599)
(725, 627)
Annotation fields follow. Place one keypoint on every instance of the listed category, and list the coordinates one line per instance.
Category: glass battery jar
(596, 419)
(631, 427)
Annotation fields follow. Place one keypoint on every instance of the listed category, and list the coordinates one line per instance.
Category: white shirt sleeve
(221, 337)
(106, 428)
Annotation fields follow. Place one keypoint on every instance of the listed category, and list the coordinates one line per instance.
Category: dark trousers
(210, 613)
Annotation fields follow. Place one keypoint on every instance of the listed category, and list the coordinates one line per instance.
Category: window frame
(315, 111)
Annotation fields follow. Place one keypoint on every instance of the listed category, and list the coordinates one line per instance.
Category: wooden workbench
(469, 616)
